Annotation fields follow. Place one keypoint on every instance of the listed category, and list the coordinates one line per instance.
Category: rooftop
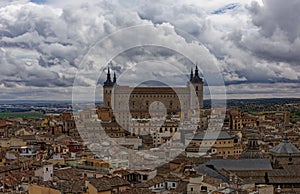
(285, 147)
(107, 183)
(210, 172)
(240, 164)
(212, 135)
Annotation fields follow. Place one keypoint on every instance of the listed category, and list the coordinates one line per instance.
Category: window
(192, 189)
(144, 177)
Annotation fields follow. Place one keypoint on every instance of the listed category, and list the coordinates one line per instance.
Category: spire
(115, 78)
(108, 75)
(108, 81)
(195, 78)
(196, 71)
(191, 77)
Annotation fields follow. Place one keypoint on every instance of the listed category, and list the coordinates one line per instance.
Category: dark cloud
(43, 45)
(277, 37)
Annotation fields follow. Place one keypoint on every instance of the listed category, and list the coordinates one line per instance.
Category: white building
(46, 172)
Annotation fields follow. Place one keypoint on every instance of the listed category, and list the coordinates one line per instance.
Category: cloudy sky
(45, 44)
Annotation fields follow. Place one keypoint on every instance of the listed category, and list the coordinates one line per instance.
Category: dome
(253, 149)
(285, 147)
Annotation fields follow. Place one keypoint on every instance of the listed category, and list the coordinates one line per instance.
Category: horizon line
(56, 100)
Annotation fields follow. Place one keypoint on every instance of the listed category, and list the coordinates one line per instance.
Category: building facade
(134, 102)
(214, 143)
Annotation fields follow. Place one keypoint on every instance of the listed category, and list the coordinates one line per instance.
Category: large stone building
(147, 102)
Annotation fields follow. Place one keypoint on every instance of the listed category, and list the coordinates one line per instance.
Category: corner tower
(107, 88)
(197, 82)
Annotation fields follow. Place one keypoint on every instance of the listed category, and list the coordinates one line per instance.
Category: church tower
(107, 88)
(197, 83)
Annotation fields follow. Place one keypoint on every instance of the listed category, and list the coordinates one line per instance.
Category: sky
(49, 46)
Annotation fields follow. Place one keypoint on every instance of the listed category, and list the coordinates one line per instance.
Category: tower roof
(108, 81)
(196, 78)
(285, 147)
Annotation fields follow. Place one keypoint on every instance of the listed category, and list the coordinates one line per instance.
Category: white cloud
(43, 44)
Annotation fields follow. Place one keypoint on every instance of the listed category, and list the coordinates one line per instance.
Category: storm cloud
(255, 43)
